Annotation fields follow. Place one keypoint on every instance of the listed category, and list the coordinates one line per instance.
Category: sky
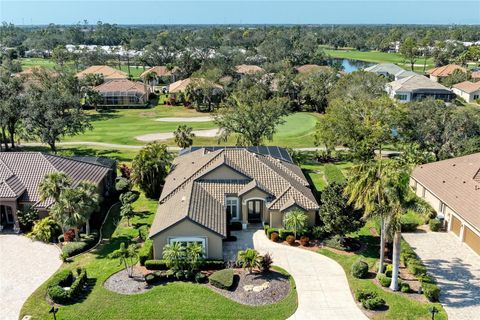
(28, 12)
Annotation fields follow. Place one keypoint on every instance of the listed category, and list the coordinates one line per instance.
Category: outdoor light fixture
(54, 311)
(433, 311)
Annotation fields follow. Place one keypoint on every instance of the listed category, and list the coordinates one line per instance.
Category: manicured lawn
(178, 300)
(37, 62)
(400, 307)
(322, 173)
(378, 57)
(135, 71)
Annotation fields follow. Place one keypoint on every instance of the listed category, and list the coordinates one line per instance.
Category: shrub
(146, 252)
(69, 235)
(384, 280)
(435, 225)
(404, 287)
(236, 226)
(362, 294)
(318, 232)
(408, 223)
(222, 279)
(274, 237)
(431, 291)
(265, 228)
(283, 233)
(416, 268)
(70, 249)
(150, 278)
(64, 278)
(290, 240)
(304, 241)
(143, 233)
(388, 270)
(270, 231)
(373, 303)
(156, 265)
(337, 242)
(427, 279)
(200, 277)
(360, 269)
(266, 262)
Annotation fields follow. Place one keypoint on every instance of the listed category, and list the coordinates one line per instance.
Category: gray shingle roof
(186, 195)
(416, 82)
(22, 172)
(389, 68)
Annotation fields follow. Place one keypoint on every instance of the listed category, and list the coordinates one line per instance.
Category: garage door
(456, 224)
(472, 239)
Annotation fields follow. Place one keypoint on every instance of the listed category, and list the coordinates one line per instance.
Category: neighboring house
(390, 71)
(244, 69)
(161, 75)
(476, 76)
(22, 172)
(452, 187)
(307, 68)
(181, 85)
(123, 93)
(417, 87)
(470, 91)
(444, 71)
(209, 187)
(107, 72)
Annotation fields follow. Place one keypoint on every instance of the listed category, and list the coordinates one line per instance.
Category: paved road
(323, 291)
(457, 269)
(24, 266)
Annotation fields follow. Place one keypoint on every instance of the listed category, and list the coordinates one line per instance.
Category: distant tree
(204, 95)
(183, 136)
(409, 51)
(92, 98)
(337, 216)
(12, 107)
(456, 77)
(251, 115)
(315, 89)
(60, 55)
(93, 79)
(358, 85)
(150, 167)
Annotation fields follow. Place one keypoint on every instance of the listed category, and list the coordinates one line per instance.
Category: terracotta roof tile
(445, 71)
(468, 86)
(107, 72)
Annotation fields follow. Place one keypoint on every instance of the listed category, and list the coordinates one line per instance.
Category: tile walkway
(457, 269)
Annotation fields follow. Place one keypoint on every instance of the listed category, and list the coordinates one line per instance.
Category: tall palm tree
(295, 220)
(184, 136)
(53, 184)
(65, 211)
(89, 201)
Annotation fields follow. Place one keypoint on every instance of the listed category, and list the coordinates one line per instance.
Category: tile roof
(22, 172)
(160, 71)
(248, 69)
(187, 195)
(181, 85)
(468, 86)
(121, 85)
(107, 72)
(476, 74)
(389, 68)
(456, 182)
(306, 68)
(415, 82)
(445, 71)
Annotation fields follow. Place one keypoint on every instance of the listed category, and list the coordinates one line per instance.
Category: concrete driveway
(457, 269)
(24, 266)
(323, 290)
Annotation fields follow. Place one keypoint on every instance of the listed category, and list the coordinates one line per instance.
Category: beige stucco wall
(223, 173)
(252, 195)
(187, 228)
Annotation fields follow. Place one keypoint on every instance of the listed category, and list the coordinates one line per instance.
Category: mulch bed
(279, 287)
(121, 283)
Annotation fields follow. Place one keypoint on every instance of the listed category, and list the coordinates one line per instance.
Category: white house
(469, 91)
(417, 87)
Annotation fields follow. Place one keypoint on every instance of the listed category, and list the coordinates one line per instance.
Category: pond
(350, 66)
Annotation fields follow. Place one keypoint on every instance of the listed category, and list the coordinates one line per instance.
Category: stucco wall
(188, 228)
(223, 173)
(251, 195)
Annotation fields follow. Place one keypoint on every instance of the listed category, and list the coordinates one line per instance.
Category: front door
(255, 210)
(6, 216)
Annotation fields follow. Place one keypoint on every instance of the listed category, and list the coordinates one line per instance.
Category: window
(476, 96)
(441, 207)
(184, 241)
(232, 208)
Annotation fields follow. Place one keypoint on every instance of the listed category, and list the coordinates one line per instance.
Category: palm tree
(184, 136)
(126, 255)
(174, 254)
(295, 220)
(89, 201)
(67, 210)
(194, 252)
(249, 259)
(53, 184)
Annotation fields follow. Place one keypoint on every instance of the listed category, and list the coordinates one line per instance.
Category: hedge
(284, 233)
(270, 231)
(73, 248)
(360, 269)
(156, 265)
(408, 223)
(146, 252)
(266, 227)
(222, 279)
(435, 225)
(207, 264)
(431, 291)
(384, 280)
(64, 278)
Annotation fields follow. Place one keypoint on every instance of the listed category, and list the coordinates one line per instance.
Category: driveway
(457, 269)
(323, 291)
(25, 265)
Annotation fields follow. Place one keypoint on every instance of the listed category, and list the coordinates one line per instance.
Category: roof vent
(443, 181)
(184, 198)
(453, 165)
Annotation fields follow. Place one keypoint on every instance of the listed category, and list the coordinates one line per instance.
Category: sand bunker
(169, 135)
(191, 119)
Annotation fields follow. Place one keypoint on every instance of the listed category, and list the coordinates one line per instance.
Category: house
(308, 68)
(22, 172)
(476, 75)
(469, 91)
(417, 87)
(245, 69)
(444, 71)
(123, 93)
(209, 187)
(452, 187)
(181, 85)
(107, 72)
(388, 70)
(160, 74)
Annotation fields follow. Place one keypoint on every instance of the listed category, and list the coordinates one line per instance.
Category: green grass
(177, 300)
(37, 62)
(378, 57)
(321, 173)
(135, 71)
(333, 174)
(400, 307)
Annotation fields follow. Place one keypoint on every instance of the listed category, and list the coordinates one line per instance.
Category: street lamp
(433, 311)
(54, 311)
